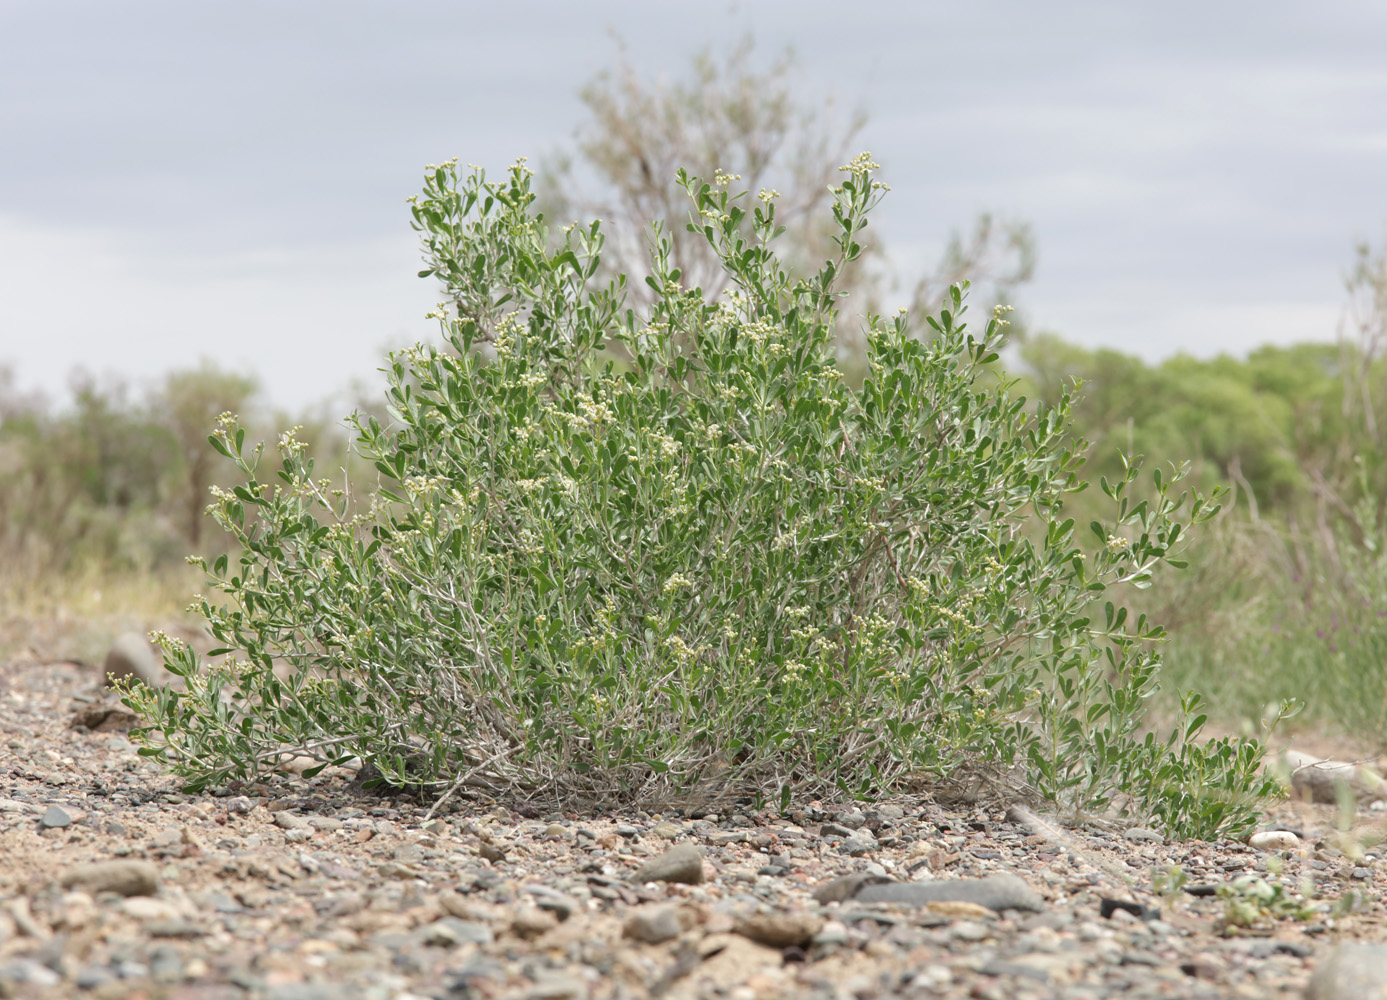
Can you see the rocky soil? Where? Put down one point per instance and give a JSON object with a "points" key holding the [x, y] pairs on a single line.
{"points": [[114, 884]]}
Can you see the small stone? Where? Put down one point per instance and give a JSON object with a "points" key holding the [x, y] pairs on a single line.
{"points": [[555, 831], [175, 928], [996, 892], [555, 902], [1141, 835], [449, 932], [970, 930], [530, 921], [840, 890], [1203, 889], [860, 843], [556, 987], [303, 991], [667, 830], [833, 932], [148, 908], [239, 804], [1274, 840], [1202, 967], [1125, 909], [55, 818], [491, 852], [166, 965], [681, 863], [1362, 873], [132, 655], [1139, 957], [653, 923], [455, 903], [452, 931], [1020, 970], [104, 717], [288, 821], [127, 878], [781, 930], [853, 819], [93, 976], [959, 910], [325, 824], [26, 970], [23, 918]]}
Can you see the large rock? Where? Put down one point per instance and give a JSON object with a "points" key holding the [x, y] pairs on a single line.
{"points": [[1316, 780], [132, 655], [128, 878], [681, 863], [1351, 972], [996, 892]]}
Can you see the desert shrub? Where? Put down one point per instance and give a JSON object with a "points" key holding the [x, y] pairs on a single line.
{"points": [[620, 556]]}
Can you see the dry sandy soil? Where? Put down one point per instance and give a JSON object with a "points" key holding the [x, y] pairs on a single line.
{"points": [[295, 890]]}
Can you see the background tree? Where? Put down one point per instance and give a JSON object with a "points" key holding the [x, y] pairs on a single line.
{"points": [[728, 115], [189, 404]]}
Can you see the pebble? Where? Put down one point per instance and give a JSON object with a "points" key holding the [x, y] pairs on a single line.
{"points": [[557, 903], [852, 819], [860, 843], [1141, 835], [288, 821], [653, 923], [1274, 840], [530, 921], [556, 987], [1351, 971], [969, 930], [1020, 970], [55, 818], [127, 878], [996, 892], [844, 888], [833, 932], [781, 929], [681, 863]]}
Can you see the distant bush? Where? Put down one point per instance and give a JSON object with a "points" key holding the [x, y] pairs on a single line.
{"points": [[116, 482], [621, 557]]}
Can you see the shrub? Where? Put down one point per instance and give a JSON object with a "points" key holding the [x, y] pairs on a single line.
{"points": [[624, 557]]}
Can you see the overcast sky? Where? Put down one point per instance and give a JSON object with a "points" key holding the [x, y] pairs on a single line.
{"points": [[227, 180]]}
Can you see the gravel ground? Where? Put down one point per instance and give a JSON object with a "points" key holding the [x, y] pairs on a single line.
{"points": [[114, 884]]}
